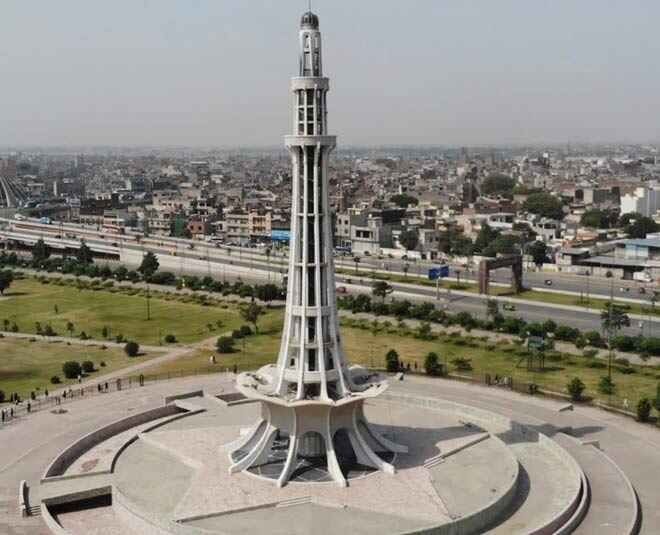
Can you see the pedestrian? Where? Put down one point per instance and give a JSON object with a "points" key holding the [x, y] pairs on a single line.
{"points": [[235, 369], [46, 392], [64, 394], [29, 407]]}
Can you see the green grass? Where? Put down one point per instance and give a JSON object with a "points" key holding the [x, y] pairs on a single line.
{"points": [[26, 366], [364, 347], [29, 301]]}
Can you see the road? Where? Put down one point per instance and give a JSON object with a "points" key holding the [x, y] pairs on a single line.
{"points": [[257, 265]]}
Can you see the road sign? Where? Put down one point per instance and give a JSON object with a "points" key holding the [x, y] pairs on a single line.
{"points": [[438, 272]]}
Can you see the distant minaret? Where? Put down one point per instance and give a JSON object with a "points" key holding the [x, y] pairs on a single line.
{"points": [[311, 394]]}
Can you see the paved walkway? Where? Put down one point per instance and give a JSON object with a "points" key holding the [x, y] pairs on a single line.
{"points": [[30, 444]]}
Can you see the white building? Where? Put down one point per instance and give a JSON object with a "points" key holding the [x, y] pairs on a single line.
{"points": [[644, 200]]}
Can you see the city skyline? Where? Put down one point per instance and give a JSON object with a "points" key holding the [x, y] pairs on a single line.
{"points": [[449, 74]]}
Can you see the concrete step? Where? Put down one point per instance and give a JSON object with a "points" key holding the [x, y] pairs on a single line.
{"points": [[541, 500], [613, 508]]}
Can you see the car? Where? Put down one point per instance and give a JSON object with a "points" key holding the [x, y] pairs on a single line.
{"points": [[548, 282], [642, 290], [342, 290], [509, 306]]}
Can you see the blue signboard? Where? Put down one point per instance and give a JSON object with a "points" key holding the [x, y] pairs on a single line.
{"points": [[438, 272], [282, 236]]}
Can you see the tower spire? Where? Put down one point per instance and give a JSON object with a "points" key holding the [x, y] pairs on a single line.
{"points": [[311, 393]]}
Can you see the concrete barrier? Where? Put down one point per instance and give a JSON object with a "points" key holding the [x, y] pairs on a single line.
{"points": [[65, 459], [186, 395], [23, 505]]}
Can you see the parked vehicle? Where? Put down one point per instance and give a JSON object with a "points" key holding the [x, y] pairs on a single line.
{"points": [[548, 282], [342, 290]]}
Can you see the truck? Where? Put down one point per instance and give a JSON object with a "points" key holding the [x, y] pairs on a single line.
{"points": [[642, 276]]}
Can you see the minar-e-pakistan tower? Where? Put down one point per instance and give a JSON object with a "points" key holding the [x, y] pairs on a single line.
{"points": [[311, 401]]}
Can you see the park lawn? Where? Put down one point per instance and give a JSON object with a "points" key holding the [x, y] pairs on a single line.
{"points": [[364, 347], [30, 301], [26, 366]]}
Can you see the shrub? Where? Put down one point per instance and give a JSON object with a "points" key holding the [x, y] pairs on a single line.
{"points": [[575, 388], [590, 353], [49, 331], [594, 339], [170, 339], [119, 338], [102, 364], [55, 380], [71, 369], [580, 342], [225, 344], [622, 361], [606, 385], [245, 330], [567, 334], [432, 364], [644, 409], [392, 361], [236, 334], [597, 365], [88, 366], [132, 349], [83, 336]]}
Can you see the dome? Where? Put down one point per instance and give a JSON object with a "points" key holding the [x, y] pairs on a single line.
{"points": [[309, 21]]}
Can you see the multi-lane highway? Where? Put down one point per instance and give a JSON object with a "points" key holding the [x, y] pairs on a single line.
{"points": [[199, 257]]}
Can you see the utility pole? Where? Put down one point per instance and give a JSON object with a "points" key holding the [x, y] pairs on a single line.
{"points": [[609, 332]]}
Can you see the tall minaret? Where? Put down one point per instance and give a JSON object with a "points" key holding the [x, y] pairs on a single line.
{"points": [[311, 397], [311, 360]]}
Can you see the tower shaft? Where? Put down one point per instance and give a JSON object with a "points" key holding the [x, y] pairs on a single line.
{"points": [[311, 362]]}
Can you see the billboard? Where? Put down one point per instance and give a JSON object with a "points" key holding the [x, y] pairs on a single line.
{"points": [[438, 272], [281, 236]]}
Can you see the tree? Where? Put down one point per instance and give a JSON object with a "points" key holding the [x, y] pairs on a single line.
{"points": [[545, 205], [485, 237], [381, 289], [403, 200], [6, 278], [598, 218], [69, 327], [575, 388], [40, 252], [539, 253], [71, 369], [644, 410], [640, 227], [432, 364], [88, 366], [251, 313], [492, 309], [613, 319], [132, 349], [121, 273], [498, 184], [225, 344], [84, 254], [149, 265], [392, 361], [267, 292], [629, 217], [504, 244], [409, 239]]}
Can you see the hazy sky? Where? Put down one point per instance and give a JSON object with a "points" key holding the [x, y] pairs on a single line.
{"points": [[216, 72]]}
